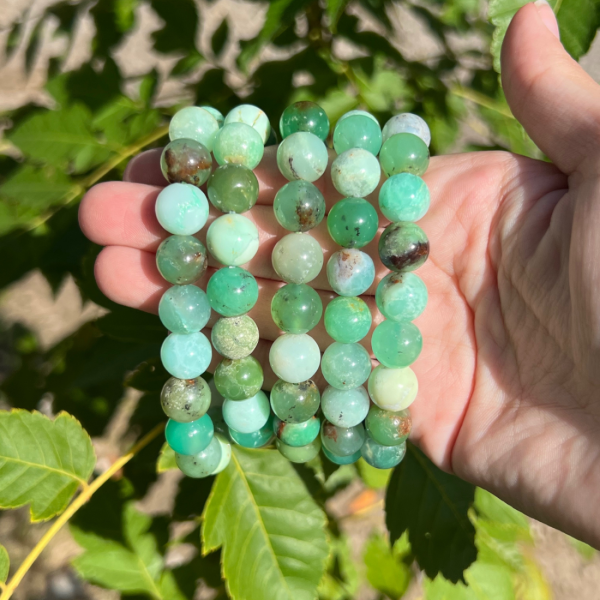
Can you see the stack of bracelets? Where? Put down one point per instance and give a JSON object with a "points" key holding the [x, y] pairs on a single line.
{"points": [[345, 422]]}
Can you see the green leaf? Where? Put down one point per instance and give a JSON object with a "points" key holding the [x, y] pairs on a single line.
{"points": [[219, 38], [4, 564], [374, 478], [166, 459], [494, 509], [131, 325], [432, 506], [342, 580], [42, 462], [334, 9], [181, 23], [385, 572], [150, 376], [271, 530], [585, 550]]}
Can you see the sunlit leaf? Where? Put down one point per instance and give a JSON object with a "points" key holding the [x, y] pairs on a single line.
{"points": [[374, 478], [4, 564], [385, 572], [585, 550], [334, 10], [166, 459]]}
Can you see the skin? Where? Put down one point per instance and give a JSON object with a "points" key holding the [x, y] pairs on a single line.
{"points": [[509, 374]]}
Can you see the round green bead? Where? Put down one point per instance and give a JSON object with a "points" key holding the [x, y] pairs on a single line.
{"points": [[297, 258], [296, 308], [181, 259], [256, 439], [186, 161], [387, 427], [232, 239], [217, 114], [403, 247], [342, 441], [347, 319], [299, 206], [235, 337], [355, 173], [203, 463], [233, 188], [345, 366], [350, 272], [297, 434], [240, 144], [341, 460], [253, 116], [232, 291], [247, 415], [190, 438], [396, 344], [299, 454], [304, 116], [193, 122], [185, 400], [345, 408], [239, 379], [358, 113], [404, 197], [294, 357], [184, 309], [404, 153], [225, 452], [357, 131], [186, 355], [352, 222], [393, 389], [401, 296], [181, 209], [302, 155], [407, 123], [382, 457], [295, 402]]}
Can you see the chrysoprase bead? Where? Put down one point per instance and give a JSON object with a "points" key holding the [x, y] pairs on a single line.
{"points": [[357, 131], [296, 308], [342, 441], [299, 454], [253, 116], [239, 379], [350, 272], [393, 389], [358, 113], [232, 239], [185, 400], [341, 460], [233, 188], [186, 161], [190, 438], [225, 452], [186, 355], [403, 246], [404, 153], [256, 439], [240, 144], [232, 292], [352, 222], [346, 366], [302, 155], [182, 209], [184, 309], [388, 427], [382, 457], [401, 296], [396, 344], [297, 258], [404, 197], [355, 173], [248, 415], [347, 319], [304, 116], [294, 358], [217, 114], [235, 337], [297, 434], [345, 408], [181, 259], [299, 206], [203, 463], [195, 123], [295, 402], [407, 123]]}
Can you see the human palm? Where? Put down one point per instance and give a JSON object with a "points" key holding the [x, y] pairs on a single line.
{"points": [[511, 332]]}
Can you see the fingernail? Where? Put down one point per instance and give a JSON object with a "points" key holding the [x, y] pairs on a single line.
{"points": [[547, 16]]}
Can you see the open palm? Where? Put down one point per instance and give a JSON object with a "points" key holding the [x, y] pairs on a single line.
{"points": [[508, 376]]}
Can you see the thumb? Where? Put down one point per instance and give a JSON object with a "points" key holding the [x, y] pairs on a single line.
{"points": [[554, 99]]}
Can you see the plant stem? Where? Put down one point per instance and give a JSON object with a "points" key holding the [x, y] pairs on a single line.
{"points": [[481, 99], [81, 499]]}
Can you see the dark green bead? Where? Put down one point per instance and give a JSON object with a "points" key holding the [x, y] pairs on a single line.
{"points": [[297, 434], [341, 460], [357, 131], [352, 222], [203, 463], [347, 319], [396, 344], [232, 291], [382, 457], [299, 206], [403, 246], [304, 116], [181, 259], [295, 402], [233, 188], [239, 379], [388, 427], [296, 308], [342, 441], [299, 454], [404, 153], [186, 161]]}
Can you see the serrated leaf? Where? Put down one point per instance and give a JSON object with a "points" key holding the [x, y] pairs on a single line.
{"points": [[219, 38], [4, 564], [271, 530], [334, 9], [42, 462], [166, 459], [385, 572], [341, 581], [433, 506]]}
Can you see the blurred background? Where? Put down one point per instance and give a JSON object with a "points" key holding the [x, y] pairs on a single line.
{"points": [[86, 85]]}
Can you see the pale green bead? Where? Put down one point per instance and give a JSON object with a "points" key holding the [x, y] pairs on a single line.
{"points": [[232, 239], [235, 337], [354, 113], [186, 355], [181, 209], [302, 155], [350, 272], [253, 116], [404, 197], [225, 453], [401, 296], [393, 389], [184, 309], [407, 123], [194, 123], [357, 131], [345, 366], [345, 408], [203, 463], [396, 345], [248, 415], [238, 143], [297, 258], [355, 173], [217, 114], [294, 358]]}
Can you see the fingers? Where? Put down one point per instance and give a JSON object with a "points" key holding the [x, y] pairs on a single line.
{"points": [[554, 99]]}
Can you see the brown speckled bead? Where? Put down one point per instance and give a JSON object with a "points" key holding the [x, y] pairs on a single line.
{"points": [[186, 161], [403, 246]]}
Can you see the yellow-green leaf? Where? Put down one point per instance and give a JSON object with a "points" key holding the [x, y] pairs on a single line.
{"points": [[166, 459], [4, 564], [385, 572], [42, 461], [334, 10]]}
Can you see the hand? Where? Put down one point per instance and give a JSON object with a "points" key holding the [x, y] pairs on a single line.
{"points": [[510, 372]]}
